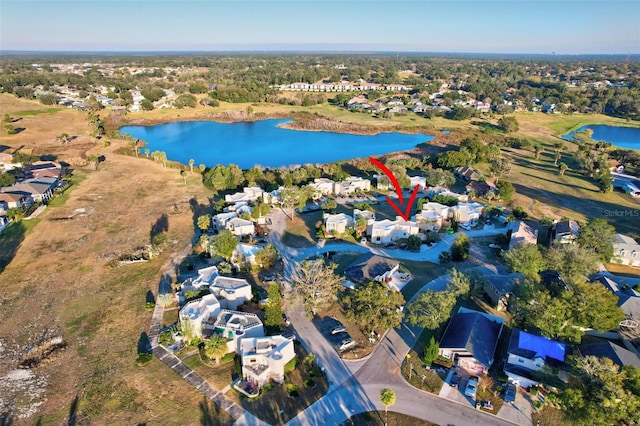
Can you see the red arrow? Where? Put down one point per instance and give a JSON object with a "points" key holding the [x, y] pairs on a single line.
{"points": [[396, 185]]}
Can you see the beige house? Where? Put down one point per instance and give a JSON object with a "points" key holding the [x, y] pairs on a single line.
{"points": [[234, 325], [323, 186], [240, 227], [432, 216], [250, 193], [219, 221], [337, 223], [388, 231], [565, 232], [467, 213], [352, 184], [523, 233], [264, 358], [202, 313], [231, 292], [626, 250]]}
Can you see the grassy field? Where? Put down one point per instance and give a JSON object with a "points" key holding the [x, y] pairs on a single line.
{"points": [[380, 418]]}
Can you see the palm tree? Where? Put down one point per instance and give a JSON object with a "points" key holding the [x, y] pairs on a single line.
{"points": [[388, 398], [216, 347], [202, 168], [147, 151], [204, 221], [184, 176], [191, 163], [562, 168], [556, 156], [538, 149]]}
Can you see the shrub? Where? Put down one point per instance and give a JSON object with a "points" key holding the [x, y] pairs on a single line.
{"points": [[308, 360], [149, 306], [293, 390], [144, 358], [445, 257], [520, 213], [460, 248], [309, 383], [290, 366]]}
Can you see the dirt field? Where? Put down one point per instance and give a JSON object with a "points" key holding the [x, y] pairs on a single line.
{"points": [[60, 284]]}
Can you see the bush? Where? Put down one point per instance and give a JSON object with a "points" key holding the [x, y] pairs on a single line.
{"points": [[293, 390], [460, 248], [144, 358], [309, 383], [445, 257], [290, 366], [520, 213], [149, 306]]}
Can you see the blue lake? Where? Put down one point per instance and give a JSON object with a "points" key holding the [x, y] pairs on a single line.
{"points": [[625, 137], [263, 143]]}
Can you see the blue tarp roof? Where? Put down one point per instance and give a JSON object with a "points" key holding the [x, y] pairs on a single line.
{"points": [[542, 346]]}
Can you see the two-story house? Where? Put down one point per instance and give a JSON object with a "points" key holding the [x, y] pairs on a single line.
{"points": [[529, 354], [264, 358]]}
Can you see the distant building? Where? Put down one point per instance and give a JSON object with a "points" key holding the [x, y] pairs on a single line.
{"points": [[500, 289], [615, 353], [626, 251], [523, 233], [565, 232]]}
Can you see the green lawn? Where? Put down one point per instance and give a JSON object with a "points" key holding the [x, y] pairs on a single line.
{"points": [[36, 112]]}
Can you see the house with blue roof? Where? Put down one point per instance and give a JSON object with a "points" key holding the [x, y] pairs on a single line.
{"points": [[529, 354]]}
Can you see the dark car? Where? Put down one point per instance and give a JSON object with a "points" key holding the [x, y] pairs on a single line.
{"points": [[510, 393], [455, 379]]}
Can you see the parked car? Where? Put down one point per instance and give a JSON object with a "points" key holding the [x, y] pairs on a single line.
{"points": [[345, 344], [472, 387], [510, 393], [455, 379], [338, 329]]}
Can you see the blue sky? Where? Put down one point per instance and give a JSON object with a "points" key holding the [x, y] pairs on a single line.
{"points": [[506, 26]]}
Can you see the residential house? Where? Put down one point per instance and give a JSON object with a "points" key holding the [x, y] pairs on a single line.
{"points": [[433, 191], [608, 349], [530, 353], [467, 214], [249, 193], [565, 232], [470, 340], [421, 181], [201, 313], [480, 189], [4, 222], [241, 207], [264, 358], [388, 231], [220, 220], [40, 190], [337, 223], [352, 184], [234, 325], [324, 186], [369, 216], [500, 289], [394, 278], [358, 102], [626, 251], [11, 200], [203, 280], [231, 292], [467, 173], [240, 227], [367, 268], [432, 216], [246, 252], [524, 234]]}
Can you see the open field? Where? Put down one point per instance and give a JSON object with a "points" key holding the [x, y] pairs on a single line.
{"points": [[380, 418], [59, 283]]}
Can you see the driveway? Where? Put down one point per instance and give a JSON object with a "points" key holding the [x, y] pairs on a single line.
{"points": [[518, 411]]}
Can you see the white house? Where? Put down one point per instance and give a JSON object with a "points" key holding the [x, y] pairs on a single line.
{"points": [[240, 227], [388, 231], [626, 250], [394, 279], [239, 208], [337, 223], [264, 358], [529, 353], [368, 215], [432, 216], [204, 279], [418, 180], [352, 184], [247, 252], [250, 193], [219, 221], [324, 186], [523, 233], [467, 213], [231, 292], [234, 325], [201, 312]]}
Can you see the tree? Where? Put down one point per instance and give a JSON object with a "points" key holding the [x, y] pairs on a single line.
{"points": [[458, 283], [7, 179], [187, 330], [273, 310], [526, 259], [223, 244], [388, 398], [147, 152], [505, 190], [216, 347], [93, 160], [295, 197], [374, 306], [267, 257], [451, 159], [202, 168], [204, 222], [509, 124], [572, 260], [562, 168], [146, 105], [431, 308], [431, 351], [556, 157], [160, 156], [48, 98], [414, 242], [191, 163], [598, 235], [183, 174], [500, 167], [537, 149], [460, 248], [315, 284], [185, 100]]}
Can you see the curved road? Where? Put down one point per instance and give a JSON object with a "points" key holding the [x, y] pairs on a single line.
{"points": [[354, 386]]}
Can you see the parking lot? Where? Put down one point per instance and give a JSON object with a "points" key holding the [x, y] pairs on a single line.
{"points": [[336, 333]]}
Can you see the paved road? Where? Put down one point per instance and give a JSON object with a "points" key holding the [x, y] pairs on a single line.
{"points": [[354, 386]]}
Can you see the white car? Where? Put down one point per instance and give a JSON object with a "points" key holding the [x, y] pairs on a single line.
{"points": [[472, 387], [346, 344]]}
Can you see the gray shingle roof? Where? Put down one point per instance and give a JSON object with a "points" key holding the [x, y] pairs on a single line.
{"points": [[474, 332], [615, 353]]}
